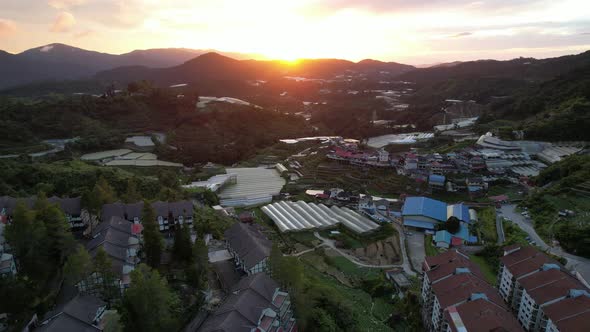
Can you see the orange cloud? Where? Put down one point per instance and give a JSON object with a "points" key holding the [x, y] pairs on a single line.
{"points": [[7, 28], [63, 23]]}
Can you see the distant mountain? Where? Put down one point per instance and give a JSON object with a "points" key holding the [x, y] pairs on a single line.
{"points": [[63, 62], [527, 69], [214, 66]]}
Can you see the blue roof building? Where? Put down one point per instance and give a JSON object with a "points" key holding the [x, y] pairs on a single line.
{"points": [[423, 212], [436, 180], [461, 211], [443, 239]]}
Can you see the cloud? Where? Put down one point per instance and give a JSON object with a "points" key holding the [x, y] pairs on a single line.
{"points": [[63, 23], [63, 4], [461, 34], [83, 34], [7, 27]]}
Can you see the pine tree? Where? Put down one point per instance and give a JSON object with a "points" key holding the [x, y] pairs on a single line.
{"points": [[59, 236], [153, 243], [149, 304], [132, 195], [103, 266], [78, 266], [182, 243]]}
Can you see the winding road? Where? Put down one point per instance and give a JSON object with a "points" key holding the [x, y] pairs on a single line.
{"points": [[405, 264], [577, 263]]}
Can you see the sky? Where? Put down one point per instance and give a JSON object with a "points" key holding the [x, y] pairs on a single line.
{"points": [[411, 31]]}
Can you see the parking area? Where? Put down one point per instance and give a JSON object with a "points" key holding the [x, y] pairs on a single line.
{"points": [[416, 251]]}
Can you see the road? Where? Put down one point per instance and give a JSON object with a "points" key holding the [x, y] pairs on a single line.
{"points": [[500, 229], [330, 243], [580, 264]]}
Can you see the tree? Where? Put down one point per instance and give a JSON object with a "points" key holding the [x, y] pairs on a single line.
{"points": [[153, 243], [199, 264], [131, 195], [210, 197], [78, 266], [104, 268], [182, 243], [149, 304], [59, 237], [452, 225], [104, 192], [322, 321]]}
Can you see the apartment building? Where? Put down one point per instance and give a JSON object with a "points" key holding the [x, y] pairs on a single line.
{"points": [[453, 288], [541, 292]]}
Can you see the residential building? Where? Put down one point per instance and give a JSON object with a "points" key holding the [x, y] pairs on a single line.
{"points": [[455, 294], [71, 207], [168, 214], [256, 303], [116, 237], [82, 313], [479, 315], [543, 295], [249, 247], [436, 182]]}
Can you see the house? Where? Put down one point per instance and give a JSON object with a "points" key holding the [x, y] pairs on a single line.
{"points": [[168, 214], [423, 212], [453, 289], [442, 239], [116, 237], [256, 303], [71, 207], [436, 181], [249, 247], [82, 313], [541, 292]]}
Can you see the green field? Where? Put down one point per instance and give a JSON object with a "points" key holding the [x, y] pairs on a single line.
{"points": [[487, 225], [485, 267], [430, 249]]}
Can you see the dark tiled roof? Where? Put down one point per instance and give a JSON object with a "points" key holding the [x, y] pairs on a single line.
{"points": [[76, 315], [133, 210], [461, 287], [242, 310], [446, 257], [161, 209], [571, 314], [71, 206], [227, 273], [249, 243], [530, 264], [524, 253], [181, 208], [545, 286], [112, 210], [481, 316], [113, 237]]}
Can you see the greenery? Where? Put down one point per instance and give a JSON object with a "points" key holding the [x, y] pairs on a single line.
{"points": [[487, 225], [430, 249], [149, 304], [153, 243], [207, 221], [489, 271]]}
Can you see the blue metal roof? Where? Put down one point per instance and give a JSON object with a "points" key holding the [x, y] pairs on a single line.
{"points": [[423, 206], [418, 224], [461, 211], [442, 236], [463, 233], [436, 178]]}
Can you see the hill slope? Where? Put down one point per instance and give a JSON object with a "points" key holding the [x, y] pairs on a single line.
{"points": [[62, 62]]}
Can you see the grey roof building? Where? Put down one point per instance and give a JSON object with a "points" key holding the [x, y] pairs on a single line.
{"points": [[255, 304], [166, 212], [82, 314], [249, 247]]}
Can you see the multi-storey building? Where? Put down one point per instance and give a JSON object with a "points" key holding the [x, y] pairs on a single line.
{"points": [[453, 288], [541, 292], [168, 214]]}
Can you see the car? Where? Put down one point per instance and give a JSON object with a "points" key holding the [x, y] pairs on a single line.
{"points": [[409, 233], [533, 243], [528, 238]]}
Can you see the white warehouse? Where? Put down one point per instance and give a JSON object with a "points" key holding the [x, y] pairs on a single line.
{"points": [[300, 216]]}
